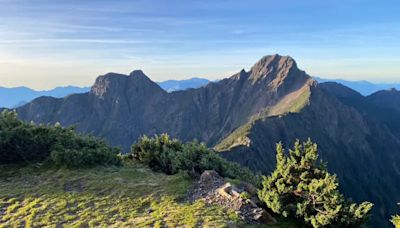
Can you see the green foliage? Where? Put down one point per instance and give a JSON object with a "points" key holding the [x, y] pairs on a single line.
{"points": [[161, 153], [84, 151], [22, 142], [396, 220], [245, 195], [302, 187]]}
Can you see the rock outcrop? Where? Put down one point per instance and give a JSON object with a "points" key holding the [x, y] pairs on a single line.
{"points": [[213, 189]]}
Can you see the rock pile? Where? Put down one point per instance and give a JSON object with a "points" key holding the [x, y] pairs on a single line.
{"points": [[213, 189]]}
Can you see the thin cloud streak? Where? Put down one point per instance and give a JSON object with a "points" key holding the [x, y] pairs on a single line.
{"points": [[101, 41]]}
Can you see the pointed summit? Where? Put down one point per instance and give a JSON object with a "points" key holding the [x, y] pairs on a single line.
{"points": [[272, 64], [137, 73], [278, 71], [139, 78]]}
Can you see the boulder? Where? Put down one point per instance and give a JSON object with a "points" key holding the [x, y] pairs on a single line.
{"points": [[209, 178], [213, 189]]}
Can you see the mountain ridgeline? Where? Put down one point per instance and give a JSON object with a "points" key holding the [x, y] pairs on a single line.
{"points": [[244, 116], [121, 108], [18, 96]]}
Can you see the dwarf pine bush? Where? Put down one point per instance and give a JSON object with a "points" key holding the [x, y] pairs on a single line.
{"points": [[302, 187], [161, 153], [22, 142]]}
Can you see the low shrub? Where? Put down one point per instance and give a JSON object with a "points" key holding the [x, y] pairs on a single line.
{"points": [[161, 153], [22, 142], [85, 151]]}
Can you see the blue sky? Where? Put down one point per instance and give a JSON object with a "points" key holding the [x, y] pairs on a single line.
{"points": [[47, 43]]}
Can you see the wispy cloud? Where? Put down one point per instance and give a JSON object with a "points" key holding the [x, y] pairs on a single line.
{"points": [[99, 41], [195, 37]]}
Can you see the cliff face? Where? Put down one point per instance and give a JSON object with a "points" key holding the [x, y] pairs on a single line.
{"points": [[244, 116]]}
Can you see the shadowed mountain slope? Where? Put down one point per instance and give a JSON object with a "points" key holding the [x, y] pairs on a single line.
{"points": [[386, 99]]}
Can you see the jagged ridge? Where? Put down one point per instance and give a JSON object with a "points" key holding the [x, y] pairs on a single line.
{"points": [[120, 107]]}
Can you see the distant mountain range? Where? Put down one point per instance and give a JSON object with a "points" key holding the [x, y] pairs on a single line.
{"points": [[175, 85], [18, 96], [364, 87], [15, 97], [245, 115]]}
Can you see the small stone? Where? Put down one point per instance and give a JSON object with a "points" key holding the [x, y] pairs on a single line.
{"points": [[263, 216]]}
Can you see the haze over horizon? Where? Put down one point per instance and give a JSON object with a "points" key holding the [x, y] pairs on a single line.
{"points": [[44, 44]]}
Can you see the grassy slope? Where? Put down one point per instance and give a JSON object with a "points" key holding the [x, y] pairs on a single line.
{"points": [[106, 197], [293, 102]]}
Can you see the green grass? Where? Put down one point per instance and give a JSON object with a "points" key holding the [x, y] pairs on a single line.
{"points": [[237, 137], [298, 104], [128, 196]]}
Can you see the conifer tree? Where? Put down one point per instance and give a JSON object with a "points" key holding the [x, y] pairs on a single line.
{"points": [[302, 187]]}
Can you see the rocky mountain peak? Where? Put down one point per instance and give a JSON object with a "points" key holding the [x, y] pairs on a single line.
{"points": [[114, 84], [138, 76], [137, 73], [104, 82], [272, 65]]}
